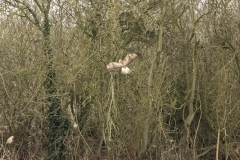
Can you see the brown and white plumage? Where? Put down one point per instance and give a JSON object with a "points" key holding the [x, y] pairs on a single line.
{"points": [[123, 63]]}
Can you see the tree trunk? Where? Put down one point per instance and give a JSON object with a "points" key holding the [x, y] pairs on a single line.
{"points": [[150, 81], [58, 124]]}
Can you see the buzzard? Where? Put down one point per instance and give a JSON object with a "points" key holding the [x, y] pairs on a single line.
{"points": [[123, 63]]}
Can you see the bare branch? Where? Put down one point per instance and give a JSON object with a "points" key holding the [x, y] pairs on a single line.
{"points": [[48, 5], [4, 86], [39, 6], [28, 18], [27, 6]]}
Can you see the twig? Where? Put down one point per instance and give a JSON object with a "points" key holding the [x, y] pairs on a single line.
{"points": [[4, 86], [206, 151], [217, 145]]}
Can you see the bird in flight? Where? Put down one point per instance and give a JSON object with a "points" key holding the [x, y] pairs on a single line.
{"points": [[123, 63]]}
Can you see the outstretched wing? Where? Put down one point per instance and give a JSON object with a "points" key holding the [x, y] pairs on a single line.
{"points": [[113, 66], [130, 58]]}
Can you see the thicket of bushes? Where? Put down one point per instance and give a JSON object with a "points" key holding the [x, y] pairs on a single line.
{"points": [[180, 102]]}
